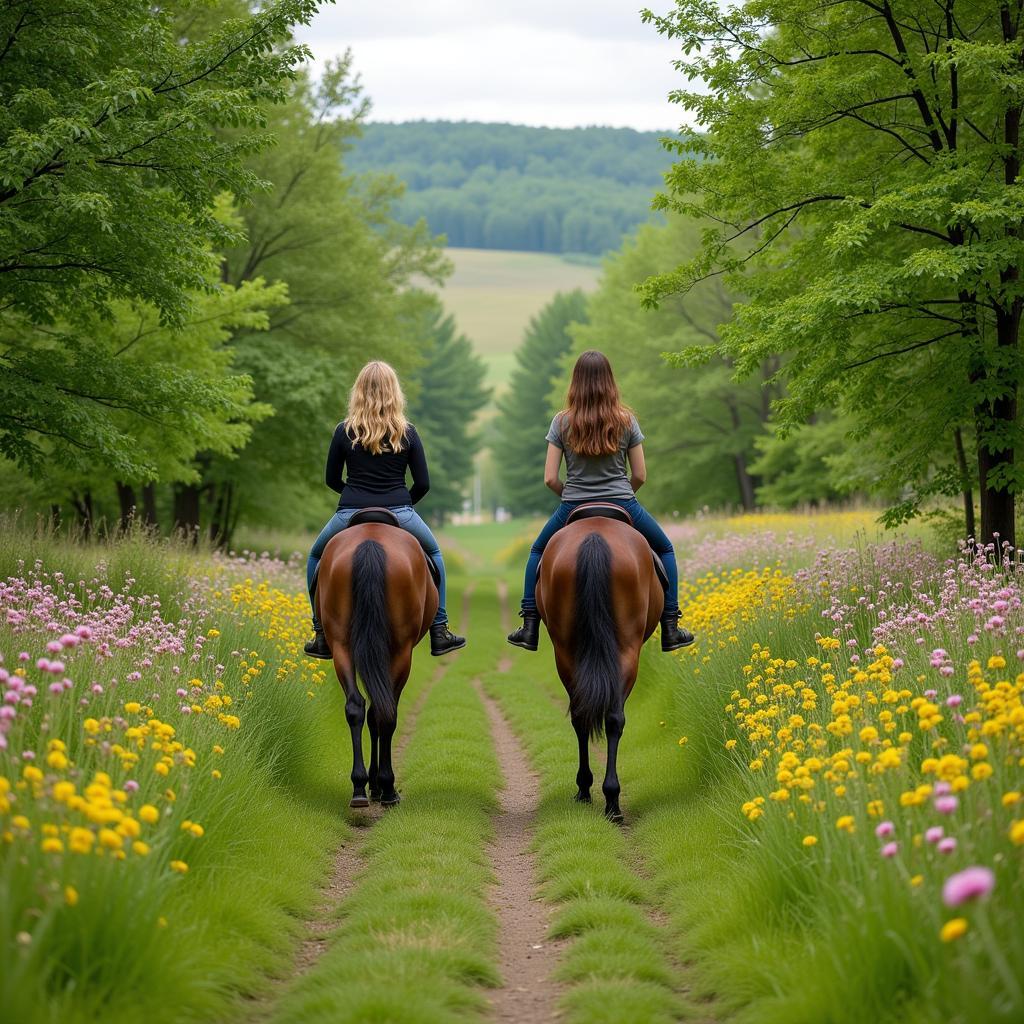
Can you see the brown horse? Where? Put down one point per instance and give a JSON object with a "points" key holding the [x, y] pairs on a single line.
{"points": [[600, 598], [376, 601]]}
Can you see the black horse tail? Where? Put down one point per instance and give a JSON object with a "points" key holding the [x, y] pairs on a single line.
{"points": [[597, 682], [370, 628]]}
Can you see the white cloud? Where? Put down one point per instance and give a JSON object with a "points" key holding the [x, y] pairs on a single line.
{"points": [[561, 63]]}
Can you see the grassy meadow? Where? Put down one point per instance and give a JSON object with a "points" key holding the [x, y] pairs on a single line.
{"points": [[493, 294], [825, 819]]}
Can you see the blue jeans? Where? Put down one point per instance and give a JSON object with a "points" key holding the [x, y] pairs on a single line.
{"points": [[410, 520], [644, 522]]}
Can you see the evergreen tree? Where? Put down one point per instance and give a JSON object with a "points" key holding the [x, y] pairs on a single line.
{"points": [[449, 392], [525, 410]]}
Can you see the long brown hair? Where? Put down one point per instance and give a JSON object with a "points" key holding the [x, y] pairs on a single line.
{"points": [[595, 418]]}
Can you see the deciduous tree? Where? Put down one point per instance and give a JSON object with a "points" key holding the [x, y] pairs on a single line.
{"points": [[860, 164]]}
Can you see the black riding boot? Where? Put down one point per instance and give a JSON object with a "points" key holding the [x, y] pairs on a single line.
{"points": [[672, 637], [528, 633], [317, 647], [443, 640]]}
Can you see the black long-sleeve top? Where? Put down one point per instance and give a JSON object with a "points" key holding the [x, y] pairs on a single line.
{"points": [[376, 479]]}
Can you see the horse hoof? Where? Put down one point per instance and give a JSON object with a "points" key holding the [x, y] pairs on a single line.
{"points": [[582, 798], [374, 797], [615, 817], [359, 801], [391, 801]]}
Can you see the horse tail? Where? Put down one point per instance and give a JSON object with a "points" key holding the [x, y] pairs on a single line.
{"points": [[370, 628], [597, 681]]}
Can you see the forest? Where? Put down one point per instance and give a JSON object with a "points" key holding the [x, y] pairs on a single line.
{"points": [[503, 186], [177, 347]]}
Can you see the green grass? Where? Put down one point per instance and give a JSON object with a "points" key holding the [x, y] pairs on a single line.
{"points": [[615, 967], [143, 942], [478, 544], [416, 941]]}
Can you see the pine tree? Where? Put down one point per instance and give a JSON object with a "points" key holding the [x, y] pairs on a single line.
{"points": [[525, 410], [450, 391]]}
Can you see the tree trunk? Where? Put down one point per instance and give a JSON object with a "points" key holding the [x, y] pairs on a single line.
{"points": [[223, 512], [83, 506], [126, 499], [743, 478], [744, 481], [999, 415], [149, 516], [997, 507], [186, 511], [965, 484]]}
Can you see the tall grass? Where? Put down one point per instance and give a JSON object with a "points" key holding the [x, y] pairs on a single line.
{"points": [[158, 842], [834, 930]]}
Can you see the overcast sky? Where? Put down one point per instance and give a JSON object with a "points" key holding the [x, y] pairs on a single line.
{"points": [[541, 62]]}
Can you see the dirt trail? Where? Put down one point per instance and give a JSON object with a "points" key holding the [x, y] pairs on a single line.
{"points": [[347, 858], [703, 1008], [526, 958]]}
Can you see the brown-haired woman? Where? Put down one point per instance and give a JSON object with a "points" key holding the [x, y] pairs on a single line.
{"points": [[597, 435]]}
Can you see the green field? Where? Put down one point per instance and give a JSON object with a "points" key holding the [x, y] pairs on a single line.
{"points": [[229, 881], [492, 296]]}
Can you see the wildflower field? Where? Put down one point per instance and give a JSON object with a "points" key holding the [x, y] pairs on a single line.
{"points": [[824, 797]]}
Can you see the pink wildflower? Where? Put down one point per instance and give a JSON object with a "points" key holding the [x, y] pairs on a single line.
{"points": [[970, 884]]}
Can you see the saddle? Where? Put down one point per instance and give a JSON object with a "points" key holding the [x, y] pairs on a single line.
{"points": [[386, 517], [601, 510]]}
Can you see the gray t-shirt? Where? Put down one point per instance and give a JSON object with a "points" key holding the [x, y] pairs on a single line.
{"points": [[592, 477]]}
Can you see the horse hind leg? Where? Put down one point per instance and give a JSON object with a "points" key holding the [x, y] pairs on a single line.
{"points": [[371, 721], [584, 777], [614, 724], [355, 715], [386, 772], [400, 668]]}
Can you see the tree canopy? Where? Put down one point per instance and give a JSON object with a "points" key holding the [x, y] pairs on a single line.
{"points": [[860, 165], [112, 156]]}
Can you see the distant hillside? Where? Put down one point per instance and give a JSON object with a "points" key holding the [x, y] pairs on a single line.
{"points": [[503, 186]]}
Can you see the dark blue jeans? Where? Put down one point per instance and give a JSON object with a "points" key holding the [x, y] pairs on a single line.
{"points": [[644, 522]]}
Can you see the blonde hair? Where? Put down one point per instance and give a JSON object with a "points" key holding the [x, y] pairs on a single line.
{"points": [[376, 410]]}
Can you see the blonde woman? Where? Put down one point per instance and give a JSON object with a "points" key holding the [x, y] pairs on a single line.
{"points": [[374, 446]]}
